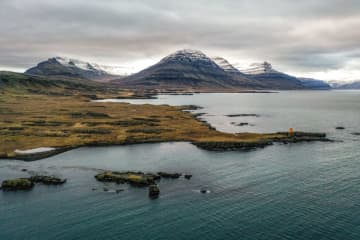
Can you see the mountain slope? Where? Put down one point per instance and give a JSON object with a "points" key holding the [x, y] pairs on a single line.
{"points": [[67, 67], [186, 69], [271, 78], [345, 85], [22, 83], [315, 84]]}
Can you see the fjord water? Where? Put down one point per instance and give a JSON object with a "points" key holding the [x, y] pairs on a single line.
{"points": [[296, 191]]}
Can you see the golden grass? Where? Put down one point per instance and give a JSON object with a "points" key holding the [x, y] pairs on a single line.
{"points": [[29, 121]]}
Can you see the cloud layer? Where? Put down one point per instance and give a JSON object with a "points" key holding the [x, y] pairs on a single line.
{"points": [[301, 37]]}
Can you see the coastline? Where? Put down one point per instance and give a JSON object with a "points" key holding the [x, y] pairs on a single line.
{"points": [[78, 122]]}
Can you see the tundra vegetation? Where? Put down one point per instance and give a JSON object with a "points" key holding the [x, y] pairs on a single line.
{"points": [[39, 112]]}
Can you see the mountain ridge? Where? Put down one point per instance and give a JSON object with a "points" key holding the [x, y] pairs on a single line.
{"points": [[63, 66]]}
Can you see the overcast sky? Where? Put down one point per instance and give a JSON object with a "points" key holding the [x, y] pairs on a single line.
{"points": [[313, 38]]}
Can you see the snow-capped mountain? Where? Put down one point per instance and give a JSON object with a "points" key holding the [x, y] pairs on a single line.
{"points": [[224, 64], [259, 68], [315, 83], [344, 84], [273, 79], [185, 69], [62, 66]]}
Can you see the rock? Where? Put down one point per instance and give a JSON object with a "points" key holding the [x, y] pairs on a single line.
{"points": [[243, 115], [203, 190], [169, 175], [17, 184], [24, 170], [134, 178], [242, 124], [340, 128], [47, 180], [232, 146], [105, 189], [154, 191], [188, 176], [119, 190], [356, 133], [93, 189]]}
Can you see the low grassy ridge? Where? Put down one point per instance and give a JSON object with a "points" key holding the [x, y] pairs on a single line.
{"points": [[30, 121]]}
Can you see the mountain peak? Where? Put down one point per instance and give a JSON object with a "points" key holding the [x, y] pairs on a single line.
{"points": [[74, 68], [259, 68], [188, 55], [224, 64]]}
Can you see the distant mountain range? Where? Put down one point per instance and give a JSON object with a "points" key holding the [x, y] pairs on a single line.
{"points": [[345, 85], [60, 66], [185, 70], [193, 69], [315, 84]]}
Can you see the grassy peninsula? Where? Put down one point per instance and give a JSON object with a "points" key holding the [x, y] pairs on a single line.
{"points": [[61, 116]]}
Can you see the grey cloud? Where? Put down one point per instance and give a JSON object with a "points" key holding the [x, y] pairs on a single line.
{"points": [[300, 36]]}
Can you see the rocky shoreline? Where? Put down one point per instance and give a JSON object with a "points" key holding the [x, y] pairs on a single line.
{"points": [[28, 183], [286, 138], [206, 145]]}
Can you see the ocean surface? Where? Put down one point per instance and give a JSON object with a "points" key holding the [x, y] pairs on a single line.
{"points": [[296, 191]]}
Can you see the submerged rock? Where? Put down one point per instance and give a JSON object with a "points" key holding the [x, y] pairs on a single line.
{"points": [[203, 190], [188, 176], [17, 184], [154, 191], [169, 175], [243, 115], [356, 133], [47, 180]]}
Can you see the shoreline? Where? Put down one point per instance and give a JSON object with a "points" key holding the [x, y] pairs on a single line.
{"points": [[80, 123], [219, 146]]}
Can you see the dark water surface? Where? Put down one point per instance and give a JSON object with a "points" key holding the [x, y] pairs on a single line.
{"points": [[302, 191]]}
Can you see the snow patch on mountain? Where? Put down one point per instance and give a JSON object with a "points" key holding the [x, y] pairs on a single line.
{"points": [[189, 55], [259, 68], [112, 70], [224, 64]]}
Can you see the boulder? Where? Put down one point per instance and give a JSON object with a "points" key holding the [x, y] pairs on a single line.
{"points": [[203, 190], [154, 191], [188, 176]]}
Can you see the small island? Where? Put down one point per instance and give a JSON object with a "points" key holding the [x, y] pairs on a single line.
{"points": [[29, 183]]}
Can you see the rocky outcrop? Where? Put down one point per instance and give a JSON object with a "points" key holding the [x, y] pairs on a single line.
{"points": [[28, 183], [47, 180], [231, 146], [17, 184], [280, 137], [188, 176], [154, 191], [133, 178], [169, 175]]}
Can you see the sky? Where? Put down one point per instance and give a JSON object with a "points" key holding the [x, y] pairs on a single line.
{"points": [[319, 39]]}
